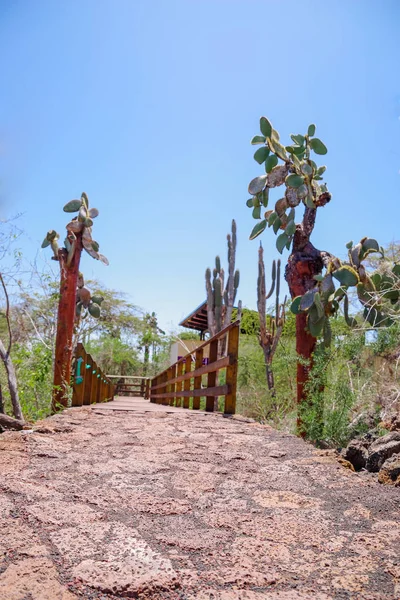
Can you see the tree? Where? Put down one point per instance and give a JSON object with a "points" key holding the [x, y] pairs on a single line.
{"points": [[149, 339], [79, 237], [315, 296], [5, 355]]}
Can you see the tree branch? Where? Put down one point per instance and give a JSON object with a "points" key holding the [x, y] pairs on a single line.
{"points": [[7, 315]]}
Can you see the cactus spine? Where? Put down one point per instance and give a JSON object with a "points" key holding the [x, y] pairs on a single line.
{"points": [[220, 299], [271, 332]]}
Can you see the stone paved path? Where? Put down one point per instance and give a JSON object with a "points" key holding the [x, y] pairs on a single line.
{"points": [[98, 504]]}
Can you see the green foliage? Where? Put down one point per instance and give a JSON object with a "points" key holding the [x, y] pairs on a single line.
{"points": [[387, 340], [34, 370], [249, 323], [115, 356], [254, 399]]}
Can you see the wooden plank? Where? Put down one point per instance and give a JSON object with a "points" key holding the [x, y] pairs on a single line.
{"points": [[126, 377], [197, 379], [203, 370], [179, 383], [87, 391], [212, 376], [231, 371], [186, 394], [220, 390]]}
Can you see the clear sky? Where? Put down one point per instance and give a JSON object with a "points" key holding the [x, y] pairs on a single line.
{"points": [[149, 107]]}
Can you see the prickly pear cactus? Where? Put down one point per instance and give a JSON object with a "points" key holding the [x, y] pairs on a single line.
{"points": [[379, 294], [289, 166], [86, 304], [81, 224]]}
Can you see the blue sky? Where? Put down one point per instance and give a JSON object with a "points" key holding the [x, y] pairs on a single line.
{"points": [[150, 106]]}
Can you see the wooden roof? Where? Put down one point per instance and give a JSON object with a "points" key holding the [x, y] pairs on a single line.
{"points": [[197, 320]]}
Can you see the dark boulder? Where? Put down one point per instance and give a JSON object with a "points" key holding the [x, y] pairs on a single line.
{"points": [[390, 471], [357, 453], [382, 449]]}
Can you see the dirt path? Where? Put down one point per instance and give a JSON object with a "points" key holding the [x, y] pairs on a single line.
{"points": [[191, 507]]}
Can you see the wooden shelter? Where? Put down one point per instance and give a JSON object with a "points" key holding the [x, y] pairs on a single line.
{"points": [[197, 320]]}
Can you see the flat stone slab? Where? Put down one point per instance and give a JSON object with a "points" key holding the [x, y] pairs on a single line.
{"points": [[140, 405], [99, 504]]}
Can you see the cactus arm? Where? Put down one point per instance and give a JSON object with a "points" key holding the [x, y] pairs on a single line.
{"points": [[230, 286], [273, 278], [261, 298], [239, 311], [218, 304], [72, 240], [210, 304], [278, 284], [222, 278]]}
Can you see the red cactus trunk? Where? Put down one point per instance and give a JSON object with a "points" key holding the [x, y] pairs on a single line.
{"points": [[65, 324], [304, 262]]}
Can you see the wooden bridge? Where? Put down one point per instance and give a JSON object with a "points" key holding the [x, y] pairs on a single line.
{"points": [[187, 384]]}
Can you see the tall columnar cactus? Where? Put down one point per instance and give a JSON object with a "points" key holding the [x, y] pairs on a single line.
{"points": [[270, 326], [221, 299], [71, 302], [314, 295]]}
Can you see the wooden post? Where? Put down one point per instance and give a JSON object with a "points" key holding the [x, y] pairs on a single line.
{"points": [[168, 386], [87, 391], [173, 387], [93, 395], [98, 394], [231, 371], [188, 368], [147, 396], [197, 380], [65, 323], [79, 376], [179, 371], [102, 395], [153, 382], [212, 377], [164, 387]]}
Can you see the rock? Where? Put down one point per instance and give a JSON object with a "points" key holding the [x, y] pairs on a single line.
{"points": [[382, 449], [393, 424], [356, 453], [43, 429], [346, 463], [390, 471]]}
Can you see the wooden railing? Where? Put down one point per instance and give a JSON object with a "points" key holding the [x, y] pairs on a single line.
{"points": [[139, 387], [174, 386], [90, 384]]}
